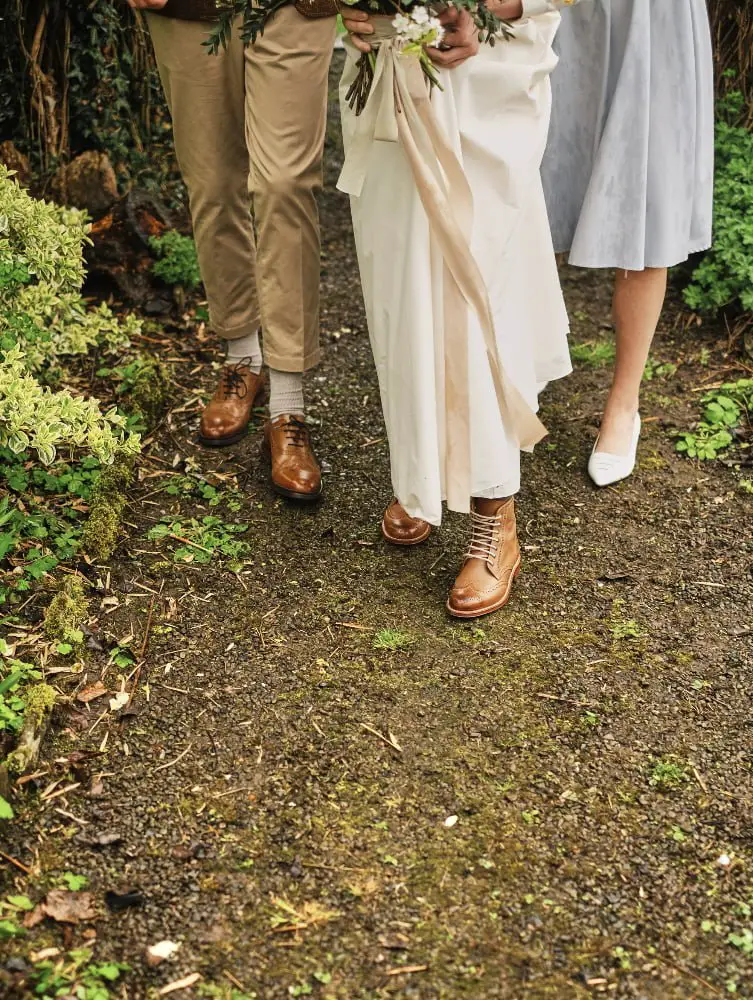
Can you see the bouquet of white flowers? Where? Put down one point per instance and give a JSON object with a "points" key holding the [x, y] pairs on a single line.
{"points": [[417, 26]]}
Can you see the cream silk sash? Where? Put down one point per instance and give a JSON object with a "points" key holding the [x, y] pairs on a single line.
{"points": [[399, 110]]}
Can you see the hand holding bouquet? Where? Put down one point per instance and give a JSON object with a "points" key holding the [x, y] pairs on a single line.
{"points": [[413, 19], [419, 29]]}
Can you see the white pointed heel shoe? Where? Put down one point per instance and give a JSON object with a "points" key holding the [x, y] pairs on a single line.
{"points": [[606, 469]]}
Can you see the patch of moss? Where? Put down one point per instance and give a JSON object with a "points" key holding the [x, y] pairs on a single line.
{"points": [[67, 612], [100, 534], [150, 391], [40, 699]]}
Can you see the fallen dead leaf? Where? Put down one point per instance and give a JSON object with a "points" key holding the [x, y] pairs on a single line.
{"points": [[64, 907], [92, 692]]}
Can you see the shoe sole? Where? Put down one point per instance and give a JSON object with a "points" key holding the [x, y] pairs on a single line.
{"points": [[403, 543], [498, 606], [298, 497], [223, 442]]}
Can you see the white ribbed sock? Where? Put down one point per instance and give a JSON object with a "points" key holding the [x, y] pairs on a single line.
{"points": [[285, 393], [246, 349]]}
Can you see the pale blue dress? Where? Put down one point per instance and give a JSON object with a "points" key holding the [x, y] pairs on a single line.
{"points": [[629, 169]]}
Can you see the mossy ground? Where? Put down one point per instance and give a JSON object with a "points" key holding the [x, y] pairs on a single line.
{"points": [[109, 498], [515, 846], [67, 611]]}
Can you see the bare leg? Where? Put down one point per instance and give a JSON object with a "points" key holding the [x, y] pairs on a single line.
{"points": [[637, 306]]}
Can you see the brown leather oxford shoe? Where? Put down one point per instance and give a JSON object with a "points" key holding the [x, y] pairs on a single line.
{"points": [[295, 471], [399, 528], [227, 415], [492, 562]]}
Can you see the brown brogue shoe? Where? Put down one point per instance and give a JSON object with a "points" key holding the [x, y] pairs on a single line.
{"points": [[295, 471], [492, 562], [227, 415], [399, 528]]}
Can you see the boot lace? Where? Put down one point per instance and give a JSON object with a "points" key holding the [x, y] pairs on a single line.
{"points": [[484, 542], [296, 432], [233, 380]]}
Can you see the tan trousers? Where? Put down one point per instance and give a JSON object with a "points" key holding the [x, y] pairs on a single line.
{"points": [[252, 122]]}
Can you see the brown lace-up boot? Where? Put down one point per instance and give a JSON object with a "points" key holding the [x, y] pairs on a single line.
{"points": [[295, 470], [227, 415], [491, 563], [399, 528]]}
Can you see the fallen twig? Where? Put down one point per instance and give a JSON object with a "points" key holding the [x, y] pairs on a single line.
{"points": [[699, 779], [180, 984], [170, 763], [391, 741], [14, 861], [691, 975], [406, 970], [566, 701], [233, 980], [187, 541]]}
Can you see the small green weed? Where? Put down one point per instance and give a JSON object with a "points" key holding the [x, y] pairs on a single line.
{"points": [[743, 941], [223, 992], [122, 657], [726, 417], [667, 773], [196, 487], [76, 975], [201, 540], [41, 518], [593, 353], [629, 629], [392, 640], [623, 628], [74, 882], [14, 677], [177, 262], [655, 369]]}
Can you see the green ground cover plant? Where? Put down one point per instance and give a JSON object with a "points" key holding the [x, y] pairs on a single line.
{"points": [[200, 540], [725, 275], [177, 262], [726, 420]]}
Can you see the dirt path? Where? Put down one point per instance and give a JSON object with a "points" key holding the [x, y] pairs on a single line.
{"points": [[324, 787]]}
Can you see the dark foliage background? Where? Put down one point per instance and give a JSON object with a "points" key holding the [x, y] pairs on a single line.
{"points": [[78, 75]]}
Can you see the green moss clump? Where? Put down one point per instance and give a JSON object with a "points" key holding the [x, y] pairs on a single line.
{"points": [[40, 700], [150, 392], [67, 612], [100, 534]]}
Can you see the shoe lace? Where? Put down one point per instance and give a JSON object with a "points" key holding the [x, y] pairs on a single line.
{"points": [[234, 381], [484, 542], [296, 432]]}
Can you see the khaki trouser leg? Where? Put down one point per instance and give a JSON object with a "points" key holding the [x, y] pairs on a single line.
{"points": [[286, 115], [275, 91], [205, 95]]}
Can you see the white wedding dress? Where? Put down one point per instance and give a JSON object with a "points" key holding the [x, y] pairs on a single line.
{"points": [[494, 111]]}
